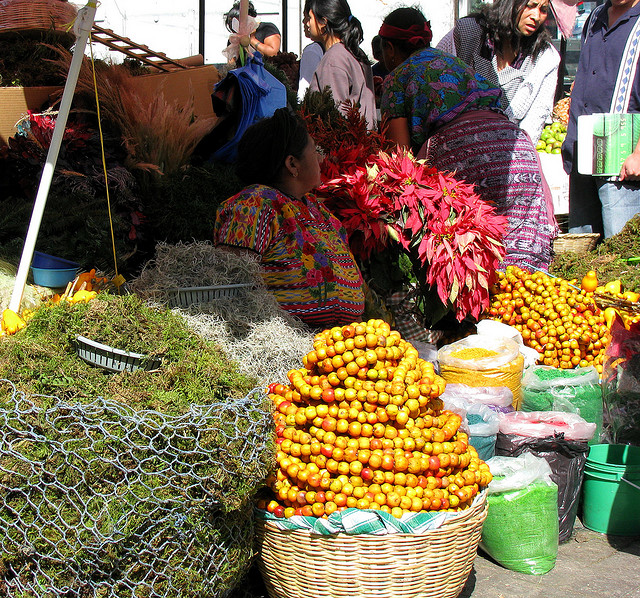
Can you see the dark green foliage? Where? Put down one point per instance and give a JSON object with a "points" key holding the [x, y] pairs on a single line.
{"points": [[182, 206], [75, 223], [320, 105], [609, 259], [24, 60]]}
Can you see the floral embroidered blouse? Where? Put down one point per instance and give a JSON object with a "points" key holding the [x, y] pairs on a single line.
{"points": [[306, 260], [430, 89]]}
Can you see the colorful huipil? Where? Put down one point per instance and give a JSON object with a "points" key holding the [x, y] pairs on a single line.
{"points": [[306, 261]]}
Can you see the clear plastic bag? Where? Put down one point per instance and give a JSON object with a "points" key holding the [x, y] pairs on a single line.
{"points": [[479, 422], [483, 361], [516, 473], [521, 529], [573, 391], [506, 350], [498, 398], [497, 329]]}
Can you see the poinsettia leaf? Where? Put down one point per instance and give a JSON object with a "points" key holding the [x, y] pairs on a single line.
{"points": [[453, 293]]}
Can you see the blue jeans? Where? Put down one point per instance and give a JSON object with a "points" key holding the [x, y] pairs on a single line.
{"points": [[601, 206]]}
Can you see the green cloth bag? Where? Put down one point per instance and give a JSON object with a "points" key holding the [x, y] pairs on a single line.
{"points": [[521, 528]]}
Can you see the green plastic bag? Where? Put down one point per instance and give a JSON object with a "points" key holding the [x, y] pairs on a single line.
{"points": [[521, 528], [573, 391]]}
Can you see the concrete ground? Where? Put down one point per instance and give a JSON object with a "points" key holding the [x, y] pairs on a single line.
{"points": [[589, 565]]}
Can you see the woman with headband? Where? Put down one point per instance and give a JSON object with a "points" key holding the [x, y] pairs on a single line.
{"points": [[437, 106], [303, 249], [344, 67]]}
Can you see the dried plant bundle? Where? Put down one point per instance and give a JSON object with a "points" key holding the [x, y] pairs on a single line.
{"points": [[251, 328], [158, 135], [196, 264]]}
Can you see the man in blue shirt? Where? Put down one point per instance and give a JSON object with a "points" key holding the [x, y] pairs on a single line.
{"points": [[607, 68]]}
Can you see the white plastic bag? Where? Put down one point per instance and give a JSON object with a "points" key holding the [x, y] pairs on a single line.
{"points": [[498, 398], [497, 329], [514, 473]]}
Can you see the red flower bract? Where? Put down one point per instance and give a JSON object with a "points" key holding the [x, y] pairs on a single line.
{"points": [[452, 236]]}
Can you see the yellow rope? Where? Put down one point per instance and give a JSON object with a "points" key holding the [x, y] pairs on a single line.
{"points": [[104, 164]]}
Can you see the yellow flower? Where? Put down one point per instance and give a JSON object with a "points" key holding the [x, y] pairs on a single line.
{"points": [[307, 261], [287, 211]]}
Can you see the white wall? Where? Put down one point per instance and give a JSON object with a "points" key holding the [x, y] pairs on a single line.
{"points": [[171, 26]]}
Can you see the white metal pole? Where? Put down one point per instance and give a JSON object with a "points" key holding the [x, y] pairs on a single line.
{"points": [[84, 23]]}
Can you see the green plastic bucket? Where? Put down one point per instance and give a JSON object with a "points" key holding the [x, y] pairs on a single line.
{"points": [[611, 490]]}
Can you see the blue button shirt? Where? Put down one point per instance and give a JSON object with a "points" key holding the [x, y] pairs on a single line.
{"points": [[597, 73]]}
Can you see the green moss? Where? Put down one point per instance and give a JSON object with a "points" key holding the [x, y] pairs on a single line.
{"points": [[133, 480], [609, 259], [42, 359]]}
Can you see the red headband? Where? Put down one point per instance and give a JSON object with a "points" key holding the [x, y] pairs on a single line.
{"points": [[413, 35]]}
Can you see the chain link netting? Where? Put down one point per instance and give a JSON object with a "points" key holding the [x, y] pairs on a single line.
{"points": [[100, 500]]}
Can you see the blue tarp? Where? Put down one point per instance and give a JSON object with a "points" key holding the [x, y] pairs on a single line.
{"points": [[246, 95]]}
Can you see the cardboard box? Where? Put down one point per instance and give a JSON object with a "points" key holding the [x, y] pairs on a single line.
{"points": [[16, 101], [181, 85]]}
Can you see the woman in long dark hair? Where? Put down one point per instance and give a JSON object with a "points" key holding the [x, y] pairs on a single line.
{"points": [[344, 67], [303, 249], [265, 39], [508, 44], [437, 106]]}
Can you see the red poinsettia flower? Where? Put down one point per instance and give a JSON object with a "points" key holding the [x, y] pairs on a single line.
{"points": [[452, 236]]}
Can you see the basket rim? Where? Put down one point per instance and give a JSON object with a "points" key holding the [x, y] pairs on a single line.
{"points": [[461, 518], [577, 235], [240, 285]]}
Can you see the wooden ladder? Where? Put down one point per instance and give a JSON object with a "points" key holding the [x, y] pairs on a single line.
{"points": [[139, 52]]}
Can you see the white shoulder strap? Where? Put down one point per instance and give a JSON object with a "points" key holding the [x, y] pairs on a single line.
{"points": [[627, 71]]}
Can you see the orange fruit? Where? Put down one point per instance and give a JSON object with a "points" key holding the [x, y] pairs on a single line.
{"points": [[590, 281]]}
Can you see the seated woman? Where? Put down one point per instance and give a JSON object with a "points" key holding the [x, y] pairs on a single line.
{"points": [[508, 44], [303, 248], [443, 111]]}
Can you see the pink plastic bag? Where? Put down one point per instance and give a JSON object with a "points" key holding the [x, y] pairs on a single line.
{"points": [[540, 424]]}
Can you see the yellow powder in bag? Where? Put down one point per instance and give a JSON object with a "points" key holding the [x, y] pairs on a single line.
{"points": [[473, 353], [509, 375]]}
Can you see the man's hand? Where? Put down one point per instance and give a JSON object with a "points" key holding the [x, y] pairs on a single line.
{"points": [[630, 170]]}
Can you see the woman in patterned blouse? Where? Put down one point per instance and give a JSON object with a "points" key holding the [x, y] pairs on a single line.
{"points": [[303, 249], [437, 106]]}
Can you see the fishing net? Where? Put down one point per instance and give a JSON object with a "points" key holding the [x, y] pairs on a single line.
{"points": [[100, 500]]}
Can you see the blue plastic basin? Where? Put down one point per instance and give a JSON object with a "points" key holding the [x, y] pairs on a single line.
{"points": [[44, 260], [53, 277]]}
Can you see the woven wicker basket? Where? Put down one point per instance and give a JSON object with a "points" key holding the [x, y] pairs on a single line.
{"points": [[37, 15], [436, 564], [576, 242]]}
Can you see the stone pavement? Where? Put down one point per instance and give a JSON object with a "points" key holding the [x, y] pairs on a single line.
{"points": [[589, 565]]}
